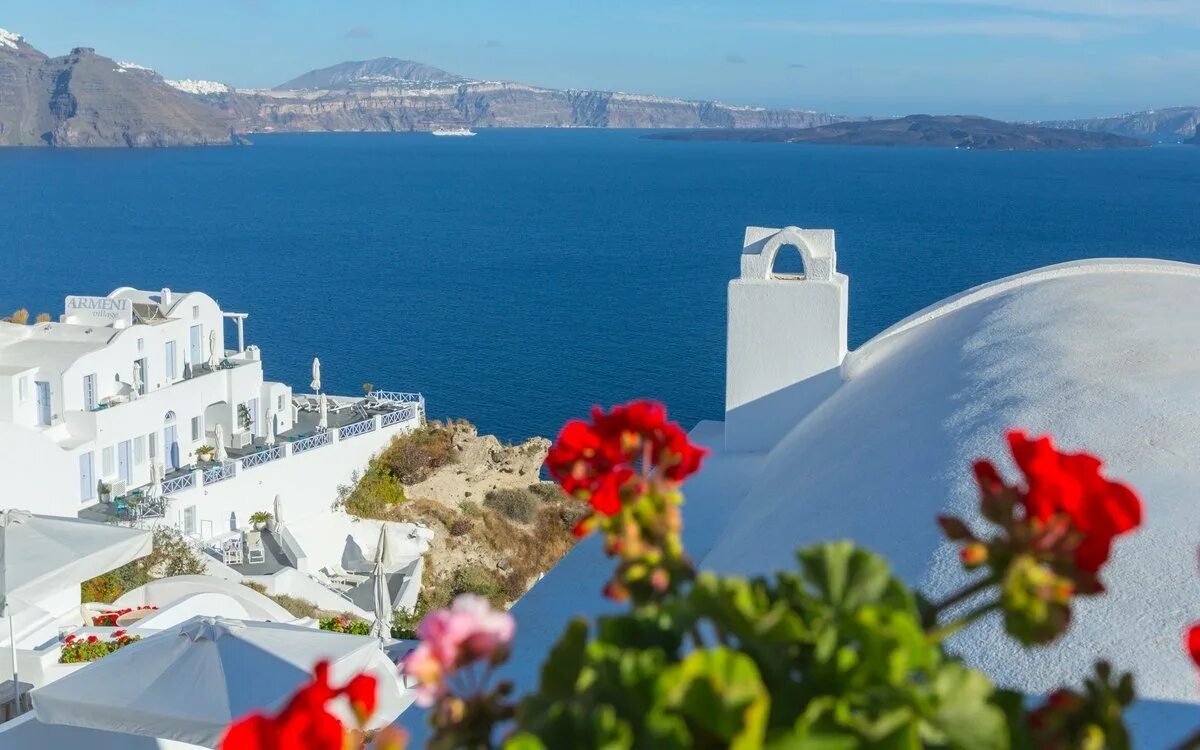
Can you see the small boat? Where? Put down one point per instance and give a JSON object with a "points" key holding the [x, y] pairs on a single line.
{"points": [[458, 132]]}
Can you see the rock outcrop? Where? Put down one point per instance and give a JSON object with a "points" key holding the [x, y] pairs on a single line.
{"points": [[1172, 124], [86, 99], [481, 464]]}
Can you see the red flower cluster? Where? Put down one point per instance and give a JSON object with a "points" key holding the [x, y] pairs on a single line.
{"points": [[594, 461], [305, 723], [1193, 643], [1068, 485]]}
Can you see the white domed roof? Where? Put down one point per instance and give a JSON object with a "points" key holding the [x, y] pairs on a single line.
{"points": [[1104, 356]]}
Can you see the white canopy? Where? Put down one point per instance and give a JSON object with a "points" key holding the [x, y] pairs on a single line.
{"points": [[316, 373], [190, 682], [26, 732], [164, 592], [219, 436], [40, 555]]}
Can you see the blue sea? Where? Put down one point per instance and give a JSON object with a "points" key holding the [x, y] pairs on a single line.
{"points": [[518, 277]]}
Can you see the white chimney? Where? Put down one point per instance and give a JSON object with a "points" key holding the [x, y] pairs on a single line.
{"points": [[787, 336], [164, 298]]}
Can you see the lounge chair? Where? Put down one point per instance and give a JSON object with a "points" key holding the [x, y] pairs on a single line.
{"points": [[340, 574], [254, 547]]}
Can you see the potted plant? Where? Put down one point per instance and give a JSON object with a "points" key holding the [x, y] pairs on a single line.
{"points": [[367, 388], [244, 416], [205, 453], [104, 490], [259, 519]]}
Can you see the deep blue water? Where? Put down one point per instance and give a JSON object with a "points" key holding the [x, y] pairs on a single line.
{"points": [[520, 276]]}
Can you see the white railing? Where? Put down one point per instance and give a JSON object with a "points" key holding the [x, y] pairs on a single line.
{"points": [[402, 414], [178, 484], [397, 396], [310, 442], [356, 428], [219, 473], [262, 457]]}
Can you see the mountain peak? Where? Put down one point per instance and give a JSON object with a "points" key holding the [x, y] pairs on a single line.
{"points": [[381, 71]]}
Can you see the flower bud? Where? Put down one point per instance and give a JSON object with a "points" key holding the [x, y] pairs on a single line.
{"points": [[974, 554]]}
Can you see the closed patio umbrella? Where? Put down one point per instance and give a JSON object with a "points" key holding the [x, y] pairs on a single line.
{"points": [[40, 555], [213, 361], [189, 682], [381, 627], [323, 411], [154, 491], [219, 433], [137, 379], [269, 437], [316, 373], [278, 517]]}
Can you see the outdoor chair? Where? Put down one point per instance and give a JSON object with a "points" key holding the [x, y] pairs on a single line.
{"points": [[254, 547], [340, 574], [231, 551]]}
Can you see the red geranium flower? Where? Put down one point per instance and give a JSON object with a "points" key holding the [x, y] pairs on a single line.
{"points": [[361, 692], [1070, 484], [595, 461], [1193, 643]]}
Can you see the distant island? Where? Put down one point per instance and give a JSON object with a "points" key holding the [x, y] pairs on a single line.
{"points": [[86, 99], [938, 131]]}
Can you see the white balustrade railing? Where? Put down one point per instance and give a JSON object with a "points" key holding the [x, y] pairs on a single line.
{"points": [[356, 428], [402, 414], [178, 484], [397, 396], [310, 442], [219, 473], [262, 457]]}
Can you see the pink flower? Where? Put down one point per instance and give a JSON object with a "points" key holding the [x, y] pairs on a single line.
{"points": [[453, 638]]}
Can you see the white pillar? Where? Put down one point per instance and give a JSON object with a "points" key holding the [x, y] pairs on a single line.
{"points": [[241, 335], [786, 337]]}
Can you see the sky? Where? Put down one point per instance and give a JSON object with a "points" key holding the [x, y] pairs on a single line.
{"points": [[1013, 59]]}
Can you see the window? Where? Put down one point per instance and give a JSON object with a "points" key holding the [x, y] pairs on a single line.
{"points": [[89, 392], [197, 429], [195, 312], [108, 462], [172, 365], [139, 450], [152, 444], [280, 407], [141, 345], [23, 389]]}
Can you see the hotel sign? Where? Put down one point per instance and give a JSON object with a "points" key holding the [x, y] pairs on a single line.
{"points": [[103, 311]]}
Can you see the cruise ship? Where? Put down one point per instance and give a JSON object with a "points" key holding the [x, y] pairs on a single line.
{"points": [[457, 132]]}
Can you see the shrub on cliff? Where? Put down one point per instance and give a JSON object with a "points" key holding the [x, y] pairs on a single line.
{"points": [[516, 504], [413, 457], [547, 492], [173, 555], [375, 495], [476, 579]]}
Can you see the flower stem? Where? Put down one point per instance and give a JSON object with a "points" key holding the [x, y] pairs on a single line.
{"points": [[975, 588], [945, 631]]}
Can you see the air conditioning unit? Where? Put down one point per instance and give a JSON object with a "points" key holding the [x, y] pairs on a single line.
{"points": [[241, 440], [118, 487]]}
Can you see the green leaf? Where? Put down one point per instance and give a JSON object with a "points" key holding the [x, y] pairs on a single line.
{"points": [[720, 695], [965, 713], [561, 671], [848, 578], [523, 741]]}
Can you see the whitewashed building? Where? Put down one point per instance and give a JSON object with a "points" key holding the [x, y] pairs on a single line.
{"points": [[820, 442], [133, 379]]}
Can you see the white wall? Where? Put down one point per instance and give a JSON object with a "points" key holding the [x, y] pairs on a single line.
{"points": [[307, 482], [35, 474]]}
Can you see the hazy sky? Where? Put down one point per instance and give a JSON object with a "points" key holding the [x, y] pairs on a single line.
{"points": [[1005, 58]]}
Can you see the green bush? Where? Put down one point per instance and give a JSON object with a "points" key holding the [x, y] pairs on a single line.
{"points": [[515, 504], [411, 458], [476, 579], [294, 605], [375, 495], [346, 623], [547, 492], [469, 508]]}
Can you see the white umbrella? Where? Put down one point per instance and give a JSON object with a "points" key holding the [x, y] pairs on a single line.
{"points": [[43, 554], [155, 489], [381, 628], [212, 350], [316, 381], [137, 379], [190, 681], [269, 437], [278, 517], [219, 433], [323, 410]]}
